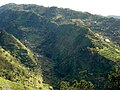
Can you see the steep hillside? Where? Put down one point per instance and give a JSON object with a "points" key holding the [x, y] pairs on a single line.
{"points": [[80, 53], [69, 44], [18, 65], [100, 24], [17, 49], [25, 25], [8, 85]]}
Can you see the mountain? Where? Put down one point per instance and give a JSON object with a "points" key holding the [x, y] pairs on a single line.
{"points": [[66, 44], [48, 15], [114, 16], [18, 65], [80, 54]]}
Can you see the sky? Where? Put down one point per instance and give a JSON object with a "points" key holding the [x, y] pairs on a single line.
{"points": [[100, 7]]}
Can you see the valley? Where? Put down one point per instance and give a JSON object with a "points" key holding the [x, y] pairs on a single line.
{"points": [[46, 48]]}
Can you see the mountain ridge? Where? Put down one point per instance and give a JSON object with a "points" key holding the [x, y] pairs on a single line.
{"points": [[14, 70], [69, 44]]}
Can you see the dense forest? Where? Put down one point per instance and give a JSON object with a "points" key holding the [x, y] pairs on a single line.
{"points": [[46, 48]]}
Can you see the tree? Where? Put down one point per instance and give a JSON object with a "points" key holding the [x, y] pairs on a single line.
{"points": [[114, 78], [64, 85], [82, 85]]}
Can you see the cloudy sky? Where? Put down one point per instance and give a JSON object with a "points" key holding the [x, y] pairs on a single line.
{"points": [[101, 7]]}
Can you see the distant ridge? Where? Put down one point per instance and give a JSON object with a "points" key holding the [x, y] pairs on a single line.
{"points": [[114, 16]]}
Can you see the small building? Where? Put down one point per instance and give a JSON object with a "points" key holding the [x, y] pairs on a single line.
{"points": [[107, 40]]}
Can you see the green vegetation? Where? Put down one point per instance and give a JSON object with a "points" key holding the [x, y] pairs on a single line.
{"points": [[113, 82], [13, 70], [8, 85], [82, 85], [69, 46]]}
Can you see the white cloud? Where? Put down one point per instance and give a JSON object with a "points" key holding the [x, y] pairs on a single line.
{"points": [[104, 7]]}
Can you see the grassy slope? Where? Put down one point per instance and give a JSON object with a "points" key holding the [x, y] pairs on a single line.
{"points": [[9, 85], [105, 48], [10, 43], [11, 67]]}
